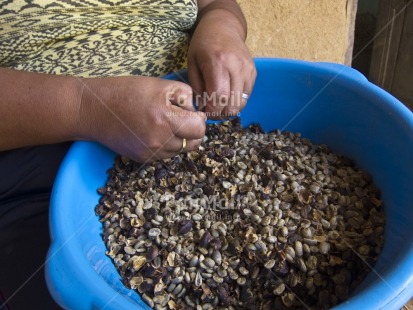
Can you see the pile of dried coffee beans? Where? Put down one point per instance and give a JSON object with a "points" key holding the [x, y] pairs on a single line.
{"points": [[251, 220]]}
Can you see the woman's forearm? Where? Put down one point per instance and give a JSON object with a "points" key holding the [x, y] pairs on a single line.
{"points": [[219, 63], [229, 10], [37, 108], [143, 118]]}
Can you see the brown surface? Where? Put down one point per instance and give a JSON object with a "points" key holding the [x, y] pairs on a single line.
{"points": [[392, 61], [315, 30]]}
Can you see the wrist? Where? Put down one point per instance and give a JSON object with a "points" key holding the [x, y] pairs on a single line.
{"points": [[227, 11], [89, 97], [71, 110]]}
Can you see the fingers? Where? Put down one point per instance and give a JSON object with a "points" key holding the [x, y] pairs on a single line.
{"points": [[218, 90], [179, 123], [188, 130], [240, 87], [186, 124], [236, 102], [173, 148], [191, 145], [225, 85], [198, 85], [180, 94], [251, 75]]}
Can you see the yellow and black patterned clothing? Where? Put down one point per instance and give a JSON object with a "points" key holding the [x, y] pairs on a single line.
{"points": [[95, 38]]}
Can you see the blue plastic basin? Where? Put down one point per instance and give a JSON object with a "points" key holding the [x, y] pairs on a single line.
{"points": [[327, 103]]}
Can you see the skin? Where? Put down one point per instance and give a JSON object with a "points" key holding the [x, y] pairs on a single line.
{"points": [[219, 63], [142, 118]]}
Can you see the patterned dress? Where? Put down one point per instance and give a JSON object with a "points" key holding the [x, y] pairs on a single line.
{"points": [[96, 38]]}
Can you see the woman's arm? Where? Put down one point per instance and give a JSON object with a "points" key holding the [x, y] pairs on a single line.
{"points": [[37, 108], [228, 6], [220, 66], [140, 117]]}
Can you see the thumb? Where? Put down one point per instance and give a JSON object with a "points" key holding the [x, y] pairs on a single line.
{"points": [[187, 124]]}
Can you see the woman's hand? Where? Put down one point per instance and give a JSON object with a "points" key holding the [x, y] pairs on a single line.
{"points": [[142, 118], [220, 67]]}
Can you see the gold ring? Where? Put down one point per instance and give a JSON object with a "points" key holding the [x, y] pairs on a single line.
{"points": [[183, 146]]}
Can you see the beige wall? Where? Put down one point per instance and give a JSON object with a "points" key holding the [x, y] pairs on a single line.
{"points": [[315, 30]]}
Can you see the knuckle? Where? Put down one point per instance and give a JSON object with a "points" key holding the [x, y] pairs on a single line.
{"points": [[153, 144], [254, 71], [180, 86], [220, 55], [157, 119]]}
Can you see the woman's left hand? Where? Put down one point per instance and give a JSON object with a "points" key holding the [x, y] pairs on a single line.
{"points": [[220, 66]]}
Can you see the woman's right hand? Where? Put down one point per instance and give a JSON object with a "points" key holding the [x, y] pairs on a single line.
{"points": [[143, 118]]}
